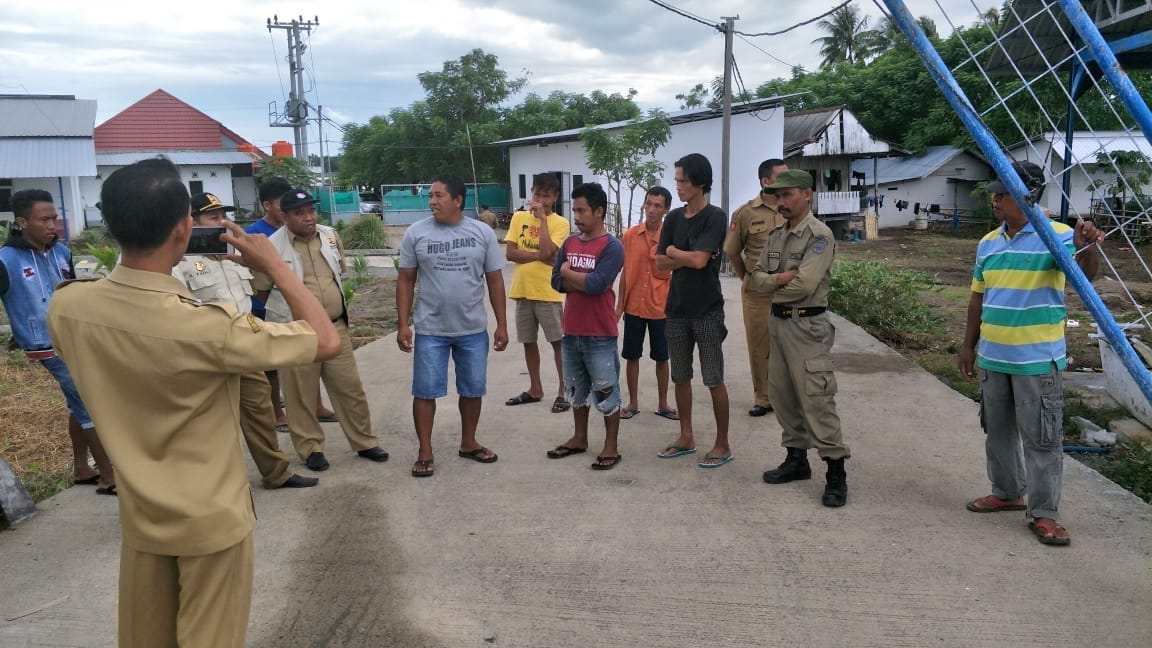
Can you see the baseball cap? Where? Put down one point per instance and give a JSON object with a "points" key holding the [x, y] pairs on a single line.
{"points": [[1029, 172], [791, 179], [296, 197], [206, 202]]}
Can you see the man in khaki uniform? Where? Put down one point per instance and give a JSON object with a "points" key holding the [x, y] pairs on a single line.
{"points": [[161, 371], [795, 269], [487, 217], [746, 237], [315, 254], [214, 279]]}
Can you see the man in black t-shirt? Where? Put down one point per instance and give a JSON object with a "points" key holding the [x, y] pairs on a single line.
{"points": [[690, 247]]}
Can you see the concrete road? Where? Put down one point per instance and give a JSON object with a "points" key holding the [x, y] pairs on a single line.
{"points": [[533, 552]]}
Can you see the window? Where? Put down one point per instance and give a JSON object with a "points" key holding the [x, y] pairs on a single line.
{"points": [[577, 180], [523, 188], [195, 186], [5, 194]]}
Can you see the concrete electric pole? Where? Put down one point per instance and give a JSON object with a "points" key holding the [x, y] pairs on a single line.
{"points": [[726, 128], [295, 114]]}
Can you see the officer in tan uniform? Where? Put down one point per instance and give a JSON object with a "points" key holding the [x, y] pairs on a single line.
{"points": [[795, 269], [314, 253], [746, 237], [222, 281], [161, 372]]}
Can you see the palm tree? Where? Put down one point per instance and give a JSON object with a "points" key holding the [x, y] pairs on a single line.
{"points": [[848, 37], [887, 33]]}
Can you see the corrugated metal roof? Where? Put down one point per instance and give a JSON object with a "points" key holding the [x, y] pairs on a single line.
{"points": [[179, 158], [805, 126], [680, 117], [46, 117], [47, 157], [896, 169]]}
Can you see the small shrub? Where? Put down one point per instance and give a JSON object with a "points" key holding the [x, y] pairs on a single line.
{"points": [[106, 257], [365, 233], [93, 237], [883, 301], [3, 233]]}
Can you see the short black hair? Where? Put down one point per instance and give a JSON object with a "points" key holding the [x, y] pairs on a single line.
{"points": [[273, 188], [698, 170], [765, 170], [485, 207], [23, 200], [594, 194], [547, 181], [663, 193], [454, 184], [143, 202]]}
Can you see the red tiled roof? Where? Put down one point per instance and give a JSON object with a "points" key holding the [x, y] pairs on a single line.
{"points": [[161, 122]]}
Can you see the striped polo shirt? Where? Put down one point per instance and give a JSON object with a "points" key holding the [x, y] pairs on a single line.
{"points": [[1022, 320]]}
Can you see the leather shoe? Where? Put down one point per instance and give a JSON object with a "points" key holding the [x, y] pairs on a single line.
{"points": [[317, 461], [296, 481], [375, 454], [759, 410]]}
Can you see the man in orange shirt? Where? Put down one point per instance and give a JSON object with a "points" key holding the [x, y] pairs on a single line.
{"points": [[643, 293]]}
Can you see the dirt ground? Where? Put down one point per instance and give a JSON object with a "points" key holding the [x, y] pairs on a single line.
{"points": [[372, 313]]}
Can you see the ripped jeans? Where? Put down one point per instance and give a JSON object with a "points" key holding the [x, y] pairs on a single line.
{"points": [[592, 372]]}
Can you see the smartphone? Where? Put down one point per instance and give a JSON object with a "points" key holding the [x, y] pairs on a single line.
{"points": [[206, 241]]}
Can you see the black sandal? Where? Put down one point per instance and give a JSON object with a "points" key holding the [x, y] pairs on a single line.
{"points": [[426, 464], [562, 451], [606, 463]]}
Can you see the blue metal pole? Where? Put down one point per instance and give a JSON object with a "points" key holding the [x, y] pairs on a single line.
{"points": [[1003, 165], [1075, 80]]}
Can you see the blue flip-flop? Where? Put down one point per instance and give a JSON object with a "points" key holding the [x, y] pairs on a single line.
{"points": [[680, 451], [707, 457]]}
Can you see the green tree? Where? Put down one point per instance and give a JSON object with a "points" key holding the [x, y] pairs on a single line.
{"points": [[624, 158], [847, 38], [1124, 170], [294, 170]]}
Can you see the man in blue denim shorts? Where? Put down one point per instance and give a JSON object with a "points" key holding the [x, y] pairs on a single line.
{"points": [[585, 269], [454, 258]]}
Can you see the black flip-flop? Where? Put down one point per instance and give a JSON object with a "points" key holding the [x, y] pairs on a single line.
{"points": [[611, 462], [523, 398], [111, 490], [423, 463], [562, 451], [474, 455], [91, 481]]}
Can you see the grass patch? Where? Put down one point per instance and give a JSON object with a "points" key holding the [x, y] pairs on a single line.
{"points": [[34, 427], [884, 301], [1129, 465], [365, 233]]}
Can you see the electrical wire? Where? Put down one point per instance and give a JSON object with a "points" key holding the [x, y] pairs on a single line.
{"points": [[276, 62], [766, 52], [685, 14], [797, 25]]}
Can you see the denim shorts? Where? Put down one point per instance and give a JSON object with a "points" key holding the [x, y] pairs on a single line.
{"points": [[634, 328], [430, 365], [591, 366], [59, 371]]}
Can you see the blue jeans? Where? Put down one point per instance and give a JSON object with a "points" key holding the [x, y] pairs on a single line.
{"points": [[591, 368], [59, 371], [430, 365]]}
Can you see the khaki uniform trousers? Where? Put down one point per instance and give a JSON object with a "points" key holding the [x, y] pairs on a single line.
{"points": [[757, 315], [803, 385], [258, 424], [186, 601], [342, 381]]}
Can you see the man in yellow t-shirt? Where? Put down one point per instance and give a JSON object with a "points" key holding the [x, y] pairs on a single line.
{"points": [[534, 237]]}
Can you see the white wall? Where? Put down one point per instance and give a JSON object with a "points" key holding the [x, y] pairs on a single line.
{"points": [[69, 204], [754, 139], [221, 185], [934, 189]]}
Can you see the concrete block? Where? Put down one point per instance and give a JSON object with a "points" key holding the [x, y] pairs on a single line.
{"points": [[1131, 430]]}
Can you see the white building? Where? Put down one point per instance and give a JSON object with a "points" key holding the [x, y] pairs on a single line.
{"points": [[935, 182], [46, 142], [757, 134]]}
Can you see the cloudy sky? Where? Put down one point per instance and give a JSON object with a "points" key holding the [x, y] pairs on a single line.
{"points": [[219, 56]]}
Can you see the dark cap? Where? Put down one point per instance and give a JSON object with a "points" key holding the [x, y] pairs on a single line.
{"points": [[296, 197], [202, 203], [791, 179], [1029, 172]]}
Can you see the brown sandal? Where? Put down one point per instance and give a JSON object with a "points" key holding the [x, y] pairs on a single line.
{"points": [[1049, 532], [993, 504]]}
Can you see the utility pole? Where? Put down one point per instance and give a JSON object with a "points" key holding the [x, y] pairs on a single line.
{"points": [[726, 129], [295, 113]]}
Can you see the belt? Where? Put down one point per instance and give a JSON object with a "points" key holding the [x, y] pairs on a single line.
{"points": [[40, 354], [787, 312]]}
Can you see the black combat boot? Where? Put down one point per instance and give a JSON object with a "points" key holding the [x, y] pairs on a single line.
{"points": [[795, 467], [836, 490]]}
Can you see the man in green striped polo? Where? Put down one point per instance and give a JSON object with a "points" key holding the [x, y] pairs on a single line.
{"points": [[1015, 339]]}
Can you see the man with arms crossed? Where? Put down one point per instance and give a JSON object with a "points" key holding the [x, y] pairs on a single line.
{"points": [[455, 259], [643, 296], [533, 238], [746, 237], [690, 248], [162, 371], [586, 267]]}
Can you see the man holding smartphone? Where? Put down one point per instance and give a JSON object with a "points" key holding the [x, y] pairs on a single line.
{"points": [[211, 278]]}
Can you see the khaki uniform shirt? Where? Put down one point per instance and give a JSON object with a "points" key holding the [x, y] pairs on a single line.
{"points": [[221, 281], [160, 373], [315, 272], [808, 248], [487, 217], [748, 233]]}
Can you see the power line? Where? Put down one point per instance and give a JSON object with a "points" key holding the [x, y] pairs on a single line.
{"points": [[685, 14], [766, 52], [276, 60], [799, 24]]}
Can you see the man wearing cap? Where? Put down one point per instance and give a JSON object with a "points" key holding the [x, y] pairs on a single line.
{"points": [[1014, 340], [214, 279], [315, 253], [746, 237], [487, 217], [795, 268]]}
